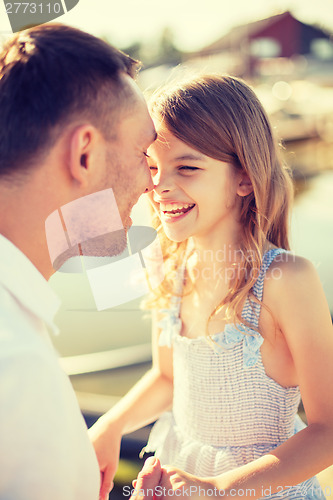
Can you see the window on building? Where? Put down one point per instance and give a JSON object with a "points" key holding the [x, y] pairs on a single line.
{"points": [[265, 47], [322, 48]]}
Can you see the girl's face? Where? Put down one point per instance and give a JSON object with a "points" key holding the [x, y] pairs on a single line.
{"points": [[194, 195]]}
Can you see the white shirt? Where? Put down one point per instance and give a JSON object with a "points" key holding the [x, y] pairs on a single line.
{"points": [[45, 452]]}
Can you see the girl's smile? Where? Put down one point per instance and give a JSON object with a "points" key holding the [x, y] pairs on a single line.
{"points": [[174, 211]]}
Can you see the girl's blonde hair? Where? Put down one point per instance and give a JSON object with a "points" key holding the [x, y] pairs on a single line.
{"points": [[221, 117]]}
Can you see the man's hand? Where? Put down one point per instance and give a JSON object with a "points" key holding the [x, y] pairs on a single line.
{"points": [[148, 479], [106, 440]]}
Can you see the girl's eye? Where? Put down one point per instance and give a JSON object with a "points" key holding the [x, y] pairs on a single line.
{"points": [[153, 168], [188, 169], [146, 154]]}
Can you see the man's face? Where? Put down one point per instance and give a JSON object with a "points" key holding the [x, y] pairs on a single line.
{"points": [[128, 172], [100, 220], [97, 222]]}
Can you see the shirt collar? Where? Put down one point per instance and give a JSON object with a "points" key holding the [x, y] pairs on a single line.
{"points": [[26, 284]]}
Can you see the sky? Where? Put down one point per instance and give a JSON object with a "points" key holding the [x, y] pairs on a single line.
{"points": [[195, 23]]}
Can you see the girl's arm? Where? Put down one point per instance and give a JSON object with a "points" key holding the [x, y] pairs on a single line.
{"points": [[147, 399], [298, 303]]}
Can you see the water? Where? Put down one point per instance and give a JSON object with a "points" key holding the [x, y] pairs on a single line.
{"points": [[312, 228]]}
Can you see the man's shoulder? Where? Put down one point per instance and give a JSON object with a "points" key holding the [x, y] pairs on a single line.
{"points": [[18, 331], [26, 368], [27, 359]]}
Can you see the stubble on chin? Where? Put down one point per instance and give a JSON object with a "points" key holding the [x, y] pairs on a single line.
{"points": [[106, 245]]}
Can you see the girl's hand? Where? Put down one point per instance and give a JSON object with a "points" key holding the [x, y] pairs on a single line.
{"points": [[106, 440]]}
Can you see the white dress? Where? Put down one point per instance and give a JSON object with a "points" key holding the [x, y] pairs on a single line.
{"points": [[226, 410]]}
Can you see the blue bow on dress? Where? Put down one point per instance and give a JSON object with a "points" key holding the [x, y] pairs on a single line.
{"points": [[233, 334]]}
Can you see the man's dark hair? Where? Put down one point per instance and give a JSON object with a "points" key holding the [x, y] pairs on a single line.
{"points": [[51, 75]]}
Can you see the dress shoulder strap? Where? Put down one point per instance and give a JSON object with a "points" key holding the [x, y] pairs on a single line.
{"points": [[251, 310]]}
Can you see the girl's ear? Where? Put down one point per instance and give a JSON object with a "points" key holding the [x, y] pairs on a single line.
{"points": [[82, 152], [245, 185]]}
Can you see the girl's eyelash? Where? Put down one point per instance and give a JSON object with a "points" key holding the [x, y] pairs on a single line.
{"points": [[146, 154], [152, 167]]}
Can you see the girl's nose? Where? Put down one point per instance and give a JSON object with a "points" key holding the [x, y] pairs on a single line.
{"points": [[162, 183], [158, 190]]}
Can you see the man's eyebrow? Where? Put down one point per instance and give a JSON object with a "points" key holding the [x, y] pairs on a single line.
{"points": [[154, 136], [190, 157]]}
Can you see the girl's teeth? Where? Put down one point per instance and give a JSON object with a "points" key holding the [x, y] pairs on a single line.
{"points": [[169, 207], [174, 215], [182, 209]]}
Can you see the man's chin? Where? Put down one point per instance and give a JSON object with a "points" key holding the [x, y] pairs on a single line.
{"points": [[106, 245]]}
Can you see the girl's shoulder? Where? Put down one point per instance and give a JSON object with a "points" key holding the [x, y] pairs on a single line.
{"points": [[294, 294], [286, 274], [289, 272]]}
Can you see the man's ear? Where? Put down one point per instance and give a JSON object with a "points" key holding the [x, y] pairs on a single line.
{"points": [[244, 185], [82, 153]]}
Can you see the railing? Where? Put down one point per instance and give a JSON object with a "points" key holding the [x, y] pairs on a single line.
{"points": [[106, 360]]}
